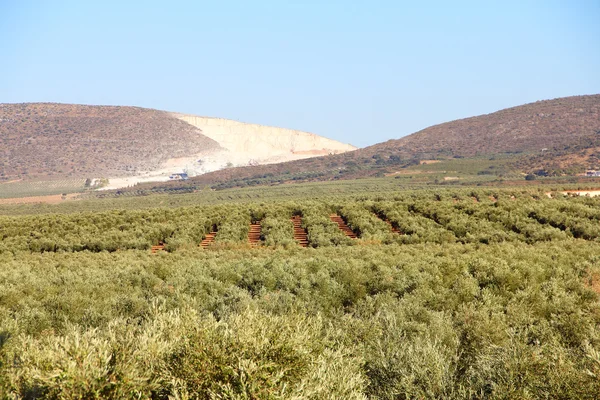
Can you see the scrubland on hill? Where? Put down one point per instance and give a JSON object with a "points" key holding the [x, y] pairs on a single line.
{"points": [[551, 137], [78, 141], [49, 141]]}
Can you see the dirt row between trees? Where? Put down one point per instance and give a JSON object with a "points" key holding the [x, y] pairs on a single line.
{"points": [[342, 225], [254, 234], [209, 238], [392, 227], [300, 233]]}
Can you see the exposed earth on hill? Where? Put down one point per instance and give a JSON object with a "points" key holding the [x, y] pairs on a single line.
{"points": [[551, 137], [129, 145]]}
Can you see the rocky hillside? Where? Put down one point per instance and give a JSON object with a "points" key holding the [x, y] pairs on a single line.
{"points": [[45, 140], [550, 124], [558, 135], [63, 140]]}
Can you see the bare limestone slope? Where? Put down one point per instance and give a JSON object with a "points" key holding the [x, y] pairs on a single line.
{"points": [[552, 135], [129, 145], [254, 144], [240, 145]]}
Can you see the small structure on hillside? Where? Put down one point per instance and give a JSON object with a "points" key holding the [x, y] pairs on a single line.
{"points": [[592, 172], [180, 176]]}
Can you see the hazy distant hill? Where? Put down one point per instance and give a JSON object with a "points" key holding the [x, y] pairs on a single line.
{"points": [[557, 134], [47, 140], [549, 124], [43, 140]]}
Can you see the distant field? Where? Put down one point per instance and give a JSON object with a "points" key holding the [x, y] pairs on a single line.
{"points": [[40, 188]]}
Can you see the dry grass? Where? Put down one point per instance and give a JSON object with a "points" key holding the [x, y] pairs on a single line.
{"points": [[595, 282], [51, 199]]}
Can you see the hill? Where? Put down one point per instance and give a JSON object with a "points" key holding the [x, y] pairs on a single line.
{"points": [[550, 124], [552, 136], [52, 141], [42, 140], [253, 144]]}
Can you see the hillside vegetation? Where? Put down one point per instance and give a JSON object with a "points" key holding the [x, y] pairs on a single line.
{"points": [[78, 141], [554, 136], [551, 124]]}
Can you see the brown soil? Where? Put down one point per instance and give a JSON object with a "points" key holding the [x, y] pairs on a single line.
{"points": [[208, 239], [254, 234], [342, 225], [392, 227], [51, 199], [157, 248], [300, 233]]}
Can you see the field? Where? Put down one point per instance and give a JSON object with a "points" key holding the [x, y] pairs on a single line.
{"points": [[456, 293], [20, 189]]}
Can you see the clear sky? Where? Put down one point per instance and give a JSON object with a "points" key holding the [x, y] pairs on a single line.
{"points": [[356, 71]]}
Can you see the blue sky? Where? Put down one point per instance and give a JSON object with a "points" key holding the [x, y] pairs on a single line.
{"points": [[360, 72]]}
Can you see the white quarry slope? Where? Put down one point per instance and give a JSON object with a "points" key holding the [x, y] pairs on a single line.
{"points": [[242, 144], [258, 144]]}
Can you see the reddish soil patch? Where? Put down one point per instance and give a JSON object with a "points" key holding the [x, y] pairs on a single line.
{"points": [[393, 228], [209, 238], [342, 225], [254, 234], [157, 248], [300, 234]]}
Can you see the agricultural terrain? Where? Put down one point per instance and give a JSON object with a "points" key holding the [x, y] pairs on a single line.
{"points": [[463, 265], [364, 289]]}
